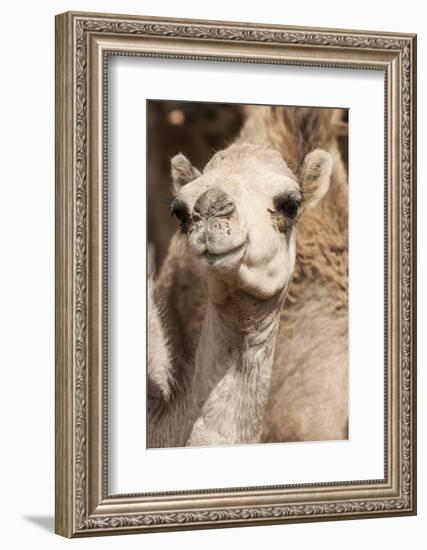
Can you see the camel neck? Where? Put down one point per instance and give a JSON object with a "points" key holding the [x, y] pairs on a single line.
{"points": [[233, 370]]}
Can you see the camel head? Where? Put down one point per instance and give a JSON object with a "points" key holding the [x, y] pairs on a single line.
{"points": [[238, 217]]}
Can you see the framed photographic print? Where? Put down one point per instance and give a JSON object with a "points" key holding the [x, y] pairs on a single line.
{"points": [[235, 274]]}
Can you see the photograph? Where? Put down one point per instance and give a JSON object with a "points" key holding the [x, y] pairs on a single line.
{"points": [[247, 290], [235, 273]]}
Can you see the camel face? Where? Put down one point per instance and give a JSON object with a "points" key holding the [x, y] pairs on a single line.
{"points": [[238, 217]]}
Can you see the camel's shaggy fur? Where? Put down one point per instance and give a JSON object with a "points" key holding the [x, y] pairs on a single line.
{"points": [[308, 396]]}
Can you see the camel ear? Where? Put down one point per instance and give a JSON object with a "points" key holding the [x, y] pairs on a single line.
{"points": [[182, 171], [315, 176]]}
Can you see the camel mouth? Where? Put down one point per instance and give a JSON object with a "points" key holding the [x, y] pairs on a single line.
{"points": [[229, 257]]}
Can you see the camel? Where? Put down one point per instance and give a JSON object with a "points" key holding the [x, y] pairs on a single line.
{"points": [[252, 227]]}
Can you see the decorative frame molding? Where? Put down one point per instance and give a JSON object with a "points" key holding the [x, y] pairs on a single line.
{"points": [[83, 43]]}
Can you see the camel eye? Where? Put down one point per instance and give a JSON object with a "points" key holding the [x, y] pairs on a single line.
{"points": [[179, 209], [287, 205]]}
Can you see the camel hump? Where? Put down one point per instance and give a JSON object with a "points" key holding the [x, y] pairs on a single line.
{"points": [[315, 127], [294, 131]]}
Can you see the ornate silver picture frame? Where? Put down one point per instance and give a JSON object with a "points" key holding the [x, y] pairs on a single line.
{"points": [[84, 43]]}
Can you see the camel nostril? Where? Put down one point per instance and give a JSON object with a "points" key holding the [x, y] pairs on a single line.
{"points": [[227, 210]]}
